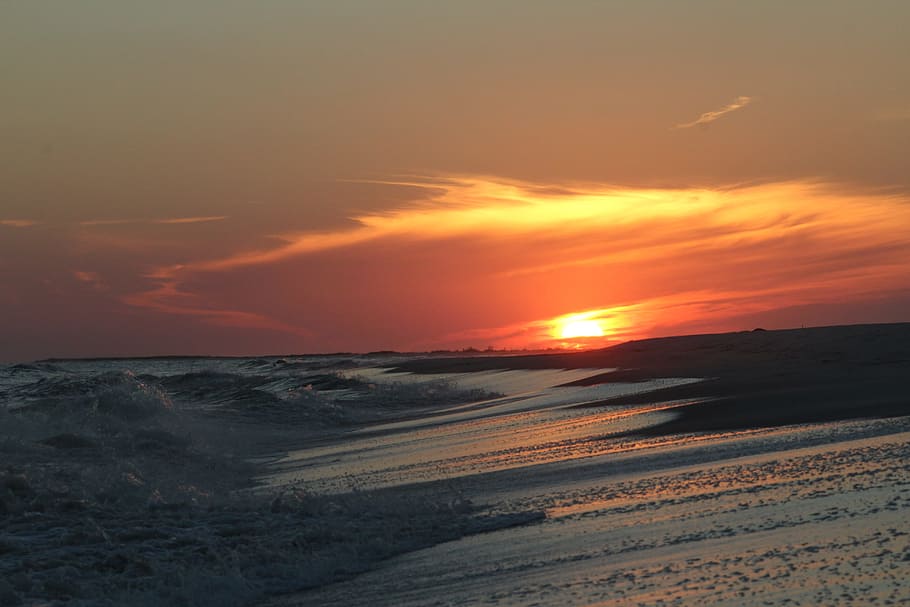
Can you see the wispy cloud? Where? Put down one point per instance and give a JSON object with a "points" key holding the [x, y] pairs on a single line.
{"points": [[18, 223], [709, 117], [182, 220], [166, 221], [166, 297], [90, 278]]}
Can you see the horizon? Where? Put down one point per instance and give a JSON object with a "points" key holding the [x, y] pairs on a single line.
{"points": [[223, 179], [466, 351]]}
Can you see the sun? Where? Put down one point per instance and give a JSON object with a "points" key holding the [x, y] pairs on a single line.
{"points": [[580, 328], [587, 329]]}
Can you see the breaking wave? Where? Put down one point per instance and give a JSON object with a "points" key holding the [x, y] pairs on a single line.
{"points": [[129, 482]]}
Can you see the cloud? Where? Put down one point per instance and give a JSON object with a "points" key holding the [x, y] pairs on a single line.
{"points": [[639, 221], [709, 117], [90, 278], [647, 256], [18, 223], [166, 221], [183, 220], [166, 297], [684, 311], [469, 206]]}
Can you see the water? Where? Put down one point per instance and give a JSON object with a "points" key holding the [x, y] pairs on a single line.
{"points": [[132, 481], [233, 481]]}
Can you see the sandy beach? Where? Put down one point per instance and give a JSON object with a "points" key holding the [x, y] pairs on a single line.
{"points": [[752, 468], [782, 477]]}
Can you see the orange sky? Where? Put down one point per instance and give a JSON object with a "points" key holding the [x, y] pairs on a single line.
{"points": [[219, 178]]}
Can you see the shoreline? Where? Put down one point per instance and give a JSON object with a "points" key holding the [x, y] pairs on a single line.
{"points": [[752, 379]]}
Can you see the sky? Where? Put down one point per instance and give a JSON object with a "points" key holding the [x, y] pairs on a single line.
{"points": [[227, 177]]}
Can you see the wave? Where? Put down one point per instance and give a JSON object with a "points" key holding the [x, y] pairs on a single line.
{"points": [[36, 367], [117, 394], [131, 483]]}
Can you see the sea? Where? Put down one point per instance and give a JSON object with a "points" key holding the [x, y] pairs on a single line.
{"points": [[343, 480]]}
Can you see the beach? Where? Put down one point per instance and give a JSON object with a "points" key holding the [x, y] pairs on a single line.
{"points": [[750, 468]]}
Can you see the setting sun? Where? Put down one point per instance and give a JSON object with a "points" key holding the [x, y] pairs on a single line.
{"points": [[581, 328], [589, 328]]}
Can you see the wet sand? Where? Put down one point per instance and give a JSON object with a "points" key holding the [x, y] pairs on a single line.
{"points": [[824, 525], [752, 379], [781, 478]]}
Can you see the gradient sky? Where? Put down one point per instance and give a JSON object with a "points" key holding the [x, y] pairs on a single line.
{"points": [[229, 177]]}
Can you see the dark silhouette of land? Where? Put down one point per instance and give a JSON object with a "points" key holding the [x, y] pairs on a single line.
{"points": [[753, 379]]}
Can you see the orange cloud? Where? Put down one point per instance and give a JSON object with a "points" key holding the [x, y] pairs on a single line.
{"points": [[18, 223], [90, 278], [630, 224], [705, 308], [167, 298], [654, 257]]}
